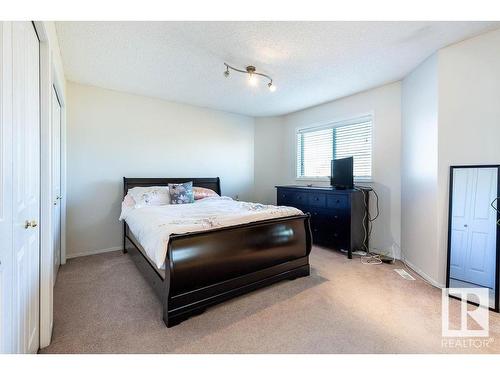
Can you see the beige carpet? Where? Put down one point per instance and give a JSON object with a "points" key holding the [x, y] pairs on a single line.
{"points": [[103, 305]]}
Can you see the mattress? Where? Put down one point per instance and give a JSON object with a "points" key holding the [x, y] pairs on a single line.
{"points": [[153, 225]]}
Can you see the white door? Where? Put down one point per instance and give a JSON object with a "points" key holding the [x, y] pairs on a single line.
{"points": [[26, 185], [6, 258], [474, 226], [56, 183]]}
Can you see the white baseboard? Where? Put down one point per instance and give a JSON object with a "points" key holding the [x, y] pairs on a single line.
{"points": [[422, 274], [93, 252]]}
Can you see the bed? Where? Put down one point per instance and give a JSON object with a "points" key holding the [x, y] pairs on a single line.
{"points": [[205, 267]]}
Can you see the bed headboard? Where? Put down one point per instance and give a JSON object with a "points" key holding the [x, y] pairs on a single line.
{"points": [[205, 182]]}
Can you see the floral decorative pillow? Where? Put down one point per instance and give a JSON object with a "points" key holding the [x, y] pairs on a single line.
{"points": [[149, 196], [200, 193], [181, 193]]}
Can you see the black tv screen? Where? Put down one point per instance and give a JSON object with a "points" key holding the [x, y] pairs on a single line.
{"points": [[342, 176]]}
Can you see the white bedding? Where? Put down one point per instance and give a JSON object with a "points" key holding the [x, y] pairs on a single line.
{"points": [[153, 225]]}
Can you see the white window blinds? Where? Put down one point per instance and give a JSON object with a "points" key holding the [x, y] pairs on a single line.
{"points": [[316, 147]]}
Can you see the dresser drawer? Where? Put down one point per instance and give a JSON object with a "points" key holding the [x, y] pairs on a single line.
{"points": [[336, 239], [329, 217], [336, 201], [285, 197], [317, 199], [301, 199], [329, 223], [340, 218], [293, 198], [333, 240]]}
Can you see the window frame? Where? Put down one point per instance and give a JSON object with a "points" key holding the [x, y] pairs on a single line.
{"points": [[334, 124]]}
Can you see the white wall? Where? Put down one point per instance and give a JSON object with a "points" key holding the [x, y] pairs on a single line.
{"points": [[419, 166], [112, 134], [469, 116], [451, 116], [270, 164], [277, 163]]}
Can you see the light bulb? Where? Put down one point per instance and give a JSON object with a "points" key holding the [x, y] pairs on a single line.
{"points": [[272, 87], [252, 79]]}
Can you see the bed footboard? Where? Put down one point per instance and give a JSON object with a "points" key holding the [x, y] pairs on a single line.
{"points": [[208, 267]]}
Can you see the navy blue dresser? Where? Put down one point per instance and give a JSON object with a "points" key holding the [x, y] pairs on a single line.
{"points": [[337, 216]]}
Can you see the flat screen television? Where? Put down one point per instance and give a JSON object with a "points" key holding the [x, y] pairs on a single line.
{"points": [[342, 176]]}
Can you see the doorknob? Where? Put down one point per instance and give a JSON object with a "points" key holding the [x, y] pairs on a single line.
{"points": [[465, 225], [31, 224]]}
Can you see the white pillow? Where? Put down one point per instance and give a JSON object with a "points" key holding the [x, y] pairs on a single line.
{"points": [[150, 196]]}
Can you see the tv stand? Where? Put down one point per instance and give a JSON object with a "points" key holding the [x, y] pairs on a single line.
{"points": [[337, 215]]}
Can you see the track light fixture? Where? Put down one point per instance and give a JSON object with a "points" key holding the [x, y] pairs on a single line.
{"points": [[252, 75]]}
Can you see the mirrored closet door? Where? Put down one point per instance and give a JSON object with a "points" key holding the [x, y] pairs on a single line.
{"points": [[474, 231]]}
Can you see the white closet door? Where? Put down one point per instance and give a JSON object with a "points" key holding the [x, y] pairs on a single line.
{"points": [[481, 244], [26, 185], [56, 183], [6, 258]]}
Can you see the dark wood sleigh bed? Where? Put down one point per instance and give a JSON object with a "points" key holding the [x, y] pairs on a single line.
{"points": [[207, 267]]}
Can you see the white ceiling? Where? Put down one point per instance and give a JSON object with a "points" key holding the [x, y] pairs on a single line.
{"points": [[310, 62]]}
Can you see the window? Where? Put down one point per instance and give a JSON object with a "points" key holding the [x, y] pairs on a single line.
{"points": [[316, 147]]}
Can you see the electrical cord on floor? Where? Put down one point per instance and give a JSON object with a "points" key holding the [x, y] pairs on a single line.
{"points": [[368, 258], [371, 259]]}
